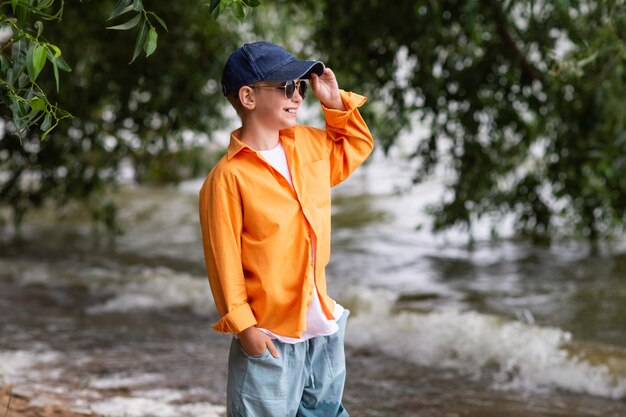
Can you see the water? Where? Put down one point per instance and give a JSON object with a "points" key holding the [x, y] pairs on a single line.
{"points": [[439, 327]]}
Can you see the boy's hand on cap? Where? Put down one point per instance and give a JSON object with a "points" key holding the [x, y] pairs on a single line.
{"points": [[326, 89]]}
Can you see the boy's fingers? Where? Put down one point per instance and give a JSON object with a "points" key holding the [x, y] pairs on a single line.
{"points": [[314, 80], [272, 348]]}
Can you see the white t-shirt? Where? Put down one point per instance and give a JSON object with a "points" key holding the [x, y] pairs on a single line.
{"points": [[316, 322]]}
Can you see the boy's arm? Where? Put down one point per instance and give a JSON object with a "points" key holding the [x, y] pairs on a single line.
{"points": [[350, 141], [221, 222]]}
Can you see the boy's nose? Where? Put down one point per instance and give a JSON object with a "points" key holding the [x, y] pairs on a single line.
{"points": [[296, 96]]}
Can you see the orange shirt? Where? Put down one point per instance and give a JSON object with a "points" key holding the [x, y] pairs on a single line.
{"points": [[255, 226]]}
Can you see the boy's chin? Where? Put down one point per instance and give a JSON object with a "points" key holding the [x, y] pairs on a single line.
{"points": [[289, 123]]}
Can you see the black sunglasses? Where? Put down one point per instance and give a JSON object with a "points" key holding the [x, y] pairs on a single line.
{"points": [[289, 87]]}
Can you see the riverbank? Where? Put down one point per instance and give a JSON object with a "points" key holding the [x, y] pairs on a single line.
{"points": [[121, 327], [169, 364], [13, 404], [377, 386]]}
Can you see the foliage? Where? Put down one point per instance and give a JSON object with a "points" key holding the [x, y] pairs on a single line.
{"points": [[23, 55], [152, 118], [522, 99], [238, 7], [24, 52], [30, 52]]}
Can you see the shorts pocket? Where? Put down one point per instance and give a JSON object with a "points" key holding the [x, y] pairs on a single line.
{"points": [[265, 376], [334, 348], [259, 356]]}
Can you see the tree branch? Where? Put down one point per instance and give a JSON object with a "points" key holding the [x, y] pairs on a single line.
{"points": [[528, 69]]}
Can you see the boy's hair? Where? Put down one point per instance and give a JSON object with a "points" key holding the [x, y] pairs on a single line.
{"points": [[263, 61], [235, 101]]}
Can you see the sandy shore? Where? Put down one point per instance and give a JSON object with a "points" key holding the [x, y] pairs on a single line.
{"points": [[16, 405]]}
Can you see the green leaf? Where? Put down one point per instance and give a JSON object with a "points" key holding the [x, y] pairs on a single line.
{"points": [[22, 109], [238, 11], [216, 13], [30, 62], [137, 5], [21, 13], [14, 5], [54, 55], [151, 43], [127, 25], [224, 4], [123, 6], [5, 63], [252, 3], [47, 122], [158, 19], [44, 4], [17, 116], [213, 5], [56, 73], [23, 81], [63, 66], [38, 104], [19, 52], [55, 49], [34, 115], [39, 59], [141, 39], [35, 60], [10, 76]]}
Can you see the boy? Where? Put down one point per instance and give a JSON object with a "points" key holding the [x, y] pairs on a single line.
{"points": [[265, 217]]}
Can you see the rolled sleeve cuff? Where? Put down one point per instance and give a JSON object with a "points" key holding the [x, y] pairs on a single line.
{"points": [[236, 321], [339, 118]]}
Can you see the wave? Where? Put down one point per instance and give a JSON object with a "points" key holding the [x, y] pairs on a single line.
{"points": [[158, 403], [118, 287], [15, 364], [32, 373], [517, 355]]}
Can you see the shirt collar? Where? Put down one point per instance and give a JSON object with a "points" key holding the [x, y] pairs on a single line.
{"points": [[236, 145]]}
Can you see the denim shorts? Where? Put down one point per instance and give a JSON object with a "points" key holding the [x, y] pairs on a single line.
{"points": [[307, 379]]}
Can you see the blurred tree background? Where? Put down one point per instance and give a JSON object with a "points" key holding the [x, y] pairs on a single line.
{"points": [[152, 117], [523, 101]]}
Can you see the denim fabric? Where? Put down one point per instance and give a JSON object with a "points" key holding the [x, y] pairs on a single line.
{"points": [[264, 61], [307, 379]]}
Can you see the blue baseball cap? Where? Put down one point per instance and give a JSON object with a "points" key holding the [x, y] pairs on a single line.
{"points": [[264, 61]]}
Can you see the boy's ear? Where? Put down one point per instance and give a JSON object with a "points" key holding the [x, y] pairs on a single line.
{"points": [[247, 97]]}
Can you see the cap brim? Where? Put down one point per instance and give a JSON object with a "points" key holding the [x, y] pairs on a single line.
{"points": [[296, 70]]}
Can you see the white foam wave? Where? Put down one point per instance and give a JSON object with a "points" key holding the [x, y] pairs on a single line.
{"points": [[156, 288], [520, 355], [118, 381], [157, 403], [126, 287], [35, 374], [14, 365]]}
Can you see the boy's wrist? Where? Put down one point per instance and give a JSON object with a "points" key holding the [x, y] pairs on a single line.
{"points": [[335, 103], [247, 330]]}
